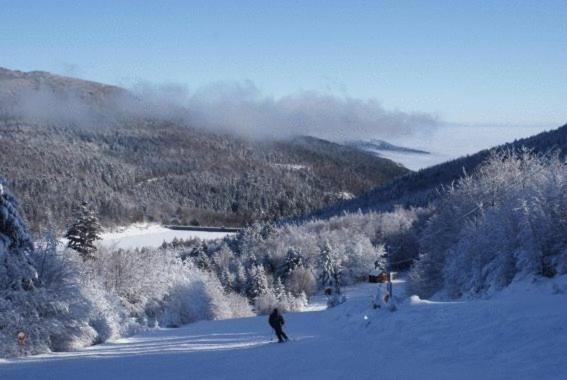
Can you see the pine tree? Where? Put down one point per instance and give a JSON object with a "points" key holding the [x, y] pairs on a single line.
{"points": [[293, 260], [330, 268], [200, 256], [326, 263], [257, 282], [251, 261], [83, 233], [16, 270], [267, 230], [225, 278], [380, 263], [248, 238], [279, 289], [240, 280]]}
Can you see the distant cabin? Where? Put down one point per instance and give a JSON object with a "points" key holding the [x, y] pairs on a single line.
{"points": [[378, 277]]}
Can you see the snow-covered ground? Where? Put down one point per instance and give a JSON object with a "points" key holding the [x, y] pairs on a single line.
{"points": [[520, 333], [151, 235]]}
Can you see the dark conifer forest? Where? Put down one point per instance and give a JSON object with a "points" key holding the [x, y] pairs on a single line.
{"points": [[132, 163]]}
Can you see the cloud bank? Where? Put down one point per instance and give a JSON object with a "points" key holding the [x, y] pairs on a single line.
{"points": [[242, 108], [228, 107]]}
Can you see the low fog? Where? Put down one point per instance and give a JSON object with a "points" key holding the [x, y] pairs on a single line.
{"points": [[242, 108], [235, 107]]}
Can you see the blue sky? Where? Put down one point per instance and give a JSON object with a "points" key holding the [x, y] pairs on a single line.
{"points": [[500, 62]]}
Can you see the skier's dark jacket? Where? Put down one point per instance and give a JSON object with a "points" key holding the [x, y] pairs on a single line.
{"points": [[276, 320]]}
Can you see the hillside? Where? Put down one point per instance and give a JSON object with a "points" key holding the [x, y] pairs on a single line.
{"points": [[419, 188], [380, 146], [67, 140]]}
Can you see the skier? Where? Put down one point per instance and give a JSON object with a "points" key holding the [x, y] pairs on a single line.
{"points": [[276, 321]]}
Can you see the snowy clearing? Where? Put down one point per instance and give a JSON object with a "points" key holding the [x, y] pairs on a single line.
{"points": [[518, 334], [151, 235]]}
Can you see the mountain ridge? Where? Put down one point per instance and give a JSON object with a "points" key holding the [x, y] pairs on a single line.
{"points": [[377, 145], [419, 188], [70, 140]]}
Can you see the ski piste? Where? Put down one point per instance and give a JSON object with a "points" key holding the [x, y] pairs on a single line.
{"points": [[422, 340]]}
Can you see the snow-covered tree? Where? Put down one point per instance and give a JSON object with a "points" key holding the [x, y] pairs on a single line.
{"points": [[302, 282], [16, 269], [46, 305], [501, 222], [257, 281], [82, 234], [226, 280], [199, 256], [267, 230], [293, 260], [330, 268], [240, 279], [248, 238], [279, 288]]}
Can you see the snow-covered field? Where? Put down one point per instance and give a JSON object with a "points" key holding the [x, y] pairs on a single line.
{"points": [[520, 333], [151, 235]]}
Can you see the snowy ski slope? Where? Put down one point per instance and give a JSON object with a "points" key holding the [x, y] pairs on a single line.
{"points": [[520, 333]]}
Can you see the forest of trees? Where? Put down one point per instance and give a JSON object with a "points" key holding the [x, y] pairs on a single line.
{"points": [[425, 186], [158, 171], [135, 164], [504, 222], [67, 300]]}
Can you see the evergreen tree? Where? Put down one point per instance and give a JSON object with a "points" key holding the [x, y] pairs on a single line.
{"points": [[248, 238], [200, 256], [16, 269], [251, 261], [326, 262], [240, 281], [380, 263], [257, 282], [279, 289], [83, 232], [225, 278], [293, 260], [267, 230], [330, 268]]}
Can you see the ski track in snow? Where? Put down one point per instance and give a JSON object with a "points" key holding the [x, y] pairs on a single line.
{"points": [[518, 334]]}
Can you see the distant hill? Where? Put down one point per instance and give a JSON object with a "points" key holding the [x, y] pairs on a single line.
{"points": [[377, 146], [65, 140], [419, 188]]}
